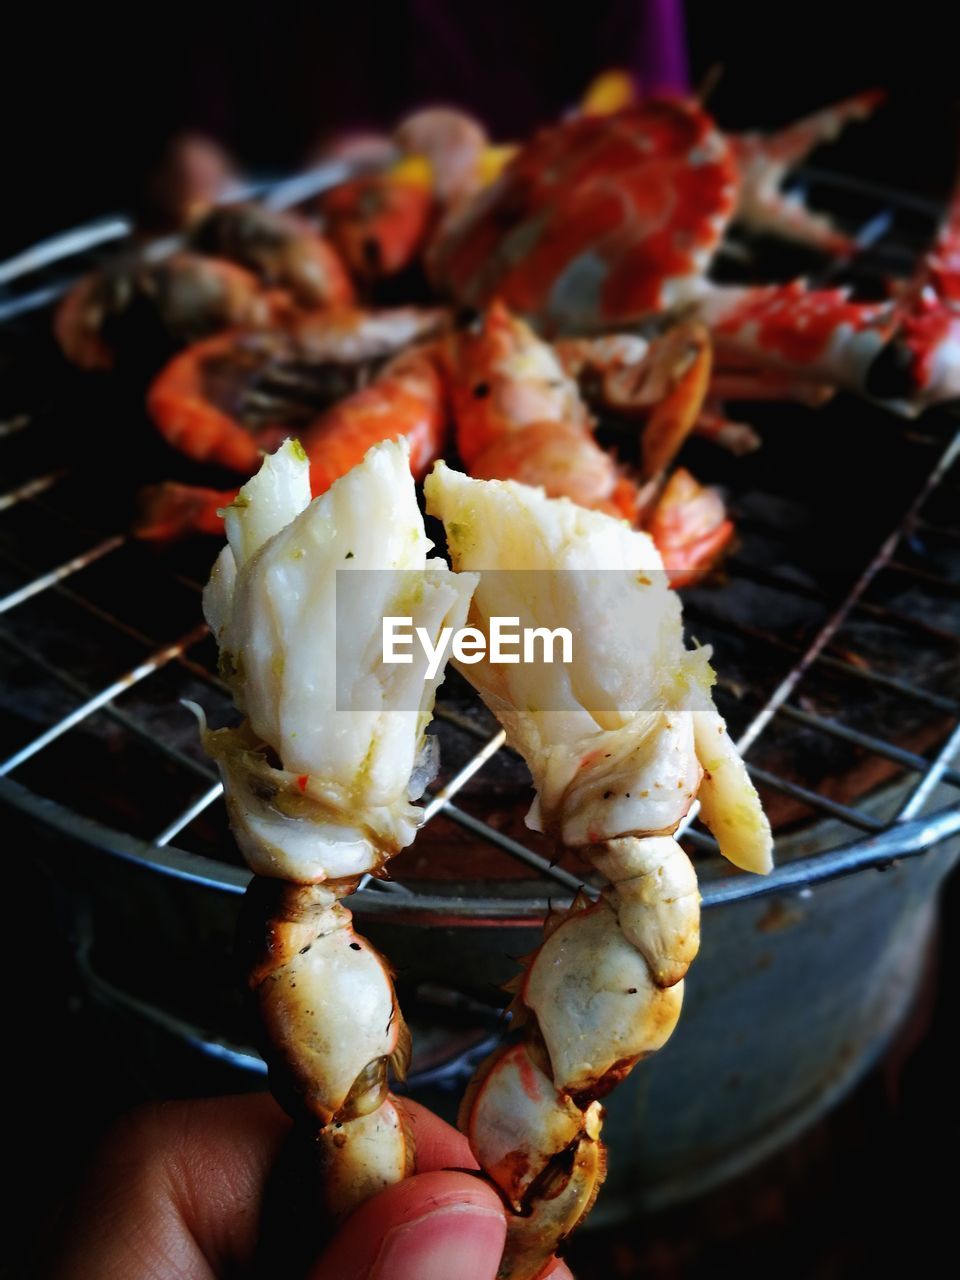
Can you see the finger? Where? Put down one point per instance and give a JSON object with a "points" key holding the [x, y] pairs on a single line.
{"points": [[175, 1190], [438, 1145], [433, 1226]]}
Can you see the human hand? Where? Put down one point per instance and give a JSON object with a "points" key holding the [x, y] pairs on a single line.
{"points": [[182, 1190]]}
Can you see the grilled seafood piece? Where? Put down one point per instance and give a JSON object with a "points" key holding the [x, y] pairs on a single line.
{"points": [[238, 394], [134, 304], [382, 222], [283, 250], [405, 399], [603, 222], [321, 780], [379, 223], [519, 415], [765, 159], [920, 365], [620, 742], [516, 411]]}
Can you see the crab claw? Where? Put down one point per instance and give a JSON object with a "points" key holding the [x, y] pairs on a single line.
{"points": [[566, 1197], [920, 365], [517, 1121], [539, 1148], [764, 161]]}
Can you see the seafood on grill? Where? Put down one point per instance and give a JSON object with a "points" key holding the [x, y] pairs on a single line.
{"points": [[598, 221], [921, 365], [141, 306], [322, 777], [516, 411], [764, 160], [519, 415], [404, 399], [283, 250], [620, 743], [244, 267], [381, 222], [608, 221], [235, 395]]}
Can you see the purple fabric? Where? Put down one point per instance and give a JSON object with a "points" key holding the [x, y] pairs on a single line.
{"points": [[661, 52], [285, 75], [515, 65]]}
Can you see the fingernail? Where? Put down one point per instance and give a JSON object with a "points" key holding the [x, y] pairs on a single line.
{"points": [[456, 1242]]}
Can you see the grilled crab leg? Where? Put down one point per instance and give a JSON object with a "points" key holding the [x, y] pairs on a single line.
{"points": [[819, 336], [765, 159], [620, 742], [921, 365], [321, 776], [605, 222]]}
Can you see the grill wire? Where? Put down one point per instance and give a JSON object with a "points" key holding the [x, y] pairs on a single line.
{"points": [[876, 840]]}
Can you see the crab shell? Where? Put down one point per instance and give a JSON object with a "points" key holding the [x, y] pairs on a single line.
{"points": [[598, 221]]}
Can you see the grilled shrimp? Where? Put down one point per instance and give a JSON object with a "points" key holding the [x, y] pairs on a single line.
{"points": [[233, 396], [380, 222], [282, 249], [137, 305], [519, 416], [689, 526], [620, 740], [406, 400], [320, 783]]}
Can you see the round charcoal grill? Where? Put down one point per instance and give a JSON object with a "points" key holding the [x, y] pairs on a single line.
{"points": [[836, 630]]}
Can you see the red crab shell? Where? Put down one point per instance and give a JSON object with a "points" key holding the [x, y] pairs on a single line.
{"points": [[597, 221]]}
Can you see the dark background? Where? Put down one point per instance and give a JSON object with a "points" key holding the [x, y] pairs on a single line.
{"points": [[88, 97], [90, 93]]}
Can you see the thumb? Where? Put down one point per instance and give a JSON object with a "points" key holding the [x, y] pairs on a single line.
{"points": [[429, 1227]]}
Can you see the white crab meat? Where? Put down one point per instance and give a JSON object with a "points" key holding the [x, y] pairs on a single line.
{"points": [[296, 602], [595, 1000], [644, 780], [728, 803], [612, 738]]}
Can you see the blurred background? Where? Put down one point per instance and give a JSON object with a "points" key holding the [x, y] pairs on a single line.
{"points": [[90, 95], [89, 98]]}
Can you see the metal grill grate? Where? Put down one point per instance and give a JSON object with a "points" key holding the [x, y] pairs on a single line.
{"points": [[904, 596]]}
